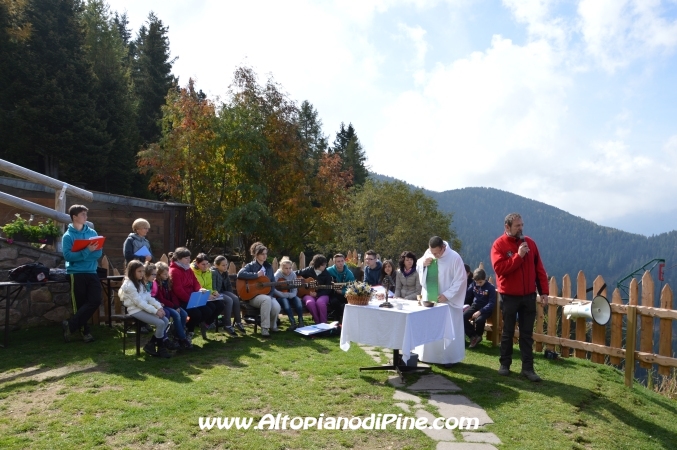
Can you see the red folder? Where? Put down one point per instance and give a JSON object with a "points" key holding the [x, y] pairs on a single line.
{"points": [[80, 244]]}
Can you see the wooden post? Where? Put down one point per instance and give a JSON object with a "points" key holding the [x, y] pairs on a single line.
{"points": [[539, 323], [616, 327], [665, 327], [275, 264], [497, 317], [566, 324], [646, 322], [493, 320], [60, 206], [598, 331], [581, 325], [165, 259], [630, 343], [232, 270], [302, 260], [552, 314], [481, 266]]}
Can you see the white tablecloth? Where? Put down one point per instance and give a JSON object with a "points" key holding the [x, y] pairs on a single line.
{"points": [[396, 329]]}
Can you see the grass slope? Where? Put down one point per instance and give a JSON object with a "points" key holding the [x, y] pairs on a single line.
{"points": [[56, 395]]}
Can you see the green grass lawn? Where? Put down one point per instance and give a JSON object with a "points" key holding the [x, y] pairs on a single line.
{"points": [[76, 395]]}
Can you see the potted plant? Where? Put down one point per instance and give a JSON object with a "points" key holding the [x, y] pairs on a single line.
{"points": [[21, 230]]}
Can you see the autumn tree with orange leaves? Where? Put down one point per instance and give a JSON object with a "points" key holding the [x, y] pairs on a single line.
{"points": [[245, 168]]}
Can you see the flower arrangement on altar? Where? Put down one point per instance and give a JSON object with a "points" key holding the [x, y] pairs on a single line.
{"points": [[359, 288]]}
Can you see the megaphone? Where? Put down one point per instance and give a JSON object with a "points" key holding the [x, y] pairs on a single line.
{"points": [[598, 310]]}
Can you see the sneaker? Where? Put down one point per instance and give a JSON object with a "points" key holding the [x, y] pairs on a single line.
{"points": [[172, 345], [87, 338], [475, 340], [301, 324], [230, 331], [531, 375], [186, 345], [203, 330], [265, 332], [190, 335], [275, 329], [504, 370], [150, 348], [292, 325], [240, 328], [162, 350], [66, 331], [145, 330]]}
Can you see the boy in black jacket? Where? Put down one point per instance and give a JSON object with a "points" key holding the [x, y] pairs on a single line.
{"points": [[483, 294]]}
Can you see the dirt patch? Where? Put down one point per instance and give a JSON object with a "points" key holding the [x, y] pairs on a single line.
{"points": [[37, 401], [289, 374]]}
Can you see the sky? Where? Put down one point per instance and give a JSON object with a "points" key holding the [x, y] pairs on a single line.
{"points": [[572, 103]]}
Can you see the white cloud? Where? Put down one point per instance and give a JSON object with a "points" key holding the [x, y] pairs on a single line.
{"points": [[417, 36], [494, 112], [617, 32]]}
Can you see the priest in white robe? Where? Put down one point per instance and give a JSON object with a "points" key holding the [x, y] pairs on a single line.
{"points": [[451, 287]]}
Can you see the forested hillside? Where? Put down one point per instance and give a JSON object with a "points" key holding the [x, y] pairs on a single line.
{"points": [[567, 243]]}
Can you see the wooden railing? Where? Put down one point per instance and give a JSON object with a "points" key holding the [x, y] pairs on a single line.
{"points": [[58, 214]]}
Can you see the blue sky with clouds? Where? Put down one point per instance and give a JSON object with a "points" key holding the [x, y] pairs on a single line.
{"points": [[572, 103]]}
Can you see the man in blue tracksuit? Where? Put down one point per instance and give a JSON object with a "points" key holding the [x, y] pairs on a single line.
{"points": [[81, 267], [483, 295]]}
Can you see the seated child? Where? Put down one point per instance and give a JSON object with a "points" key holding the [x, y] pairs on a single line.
{"points": [[204, 276], [482, 307], [143, 307], [221, 284], [163, 293], [136, 240], [290, 297]]}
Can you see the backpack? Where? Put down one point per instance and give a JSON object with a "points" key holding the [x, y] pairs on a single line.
{"points": [[29, 273]]}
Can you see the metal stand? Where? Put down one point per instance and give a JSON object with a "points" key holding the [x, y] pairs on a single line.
{"points": [[400, 368], [386, 283]]}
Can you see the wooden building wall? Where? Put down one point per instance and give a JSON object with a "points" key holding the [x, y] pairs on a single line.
{"points": [[112, 216]]}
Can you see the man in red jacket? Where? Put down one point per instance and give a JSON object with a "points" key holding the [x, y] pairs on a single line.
{"points": [[520, 276]]}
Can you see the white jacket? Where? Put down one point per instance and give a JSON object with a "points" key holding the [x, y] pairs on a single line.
{"points": [[136, 301]]}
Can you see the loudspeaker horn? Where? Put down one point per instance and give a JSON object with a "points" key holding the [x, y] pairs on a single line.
{"points": [[598, 310]]}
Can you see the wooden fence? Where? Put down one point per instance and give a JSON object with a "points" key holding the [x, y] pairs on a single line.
{"points": [[611, 341]]}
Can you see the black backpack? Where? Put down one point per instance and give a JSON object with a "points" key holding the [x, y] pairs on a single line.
{"points": [[29, 273]]}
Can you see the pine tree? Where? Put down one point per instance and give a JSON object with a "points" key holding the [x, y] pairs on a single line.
{"points": [[313, 139], [152, 76], [55, 117], [113, 94], [348, 147]]}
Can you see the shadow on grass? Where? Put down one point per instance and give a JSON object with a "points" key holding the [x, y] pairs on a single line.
{"points": [[36, 356], [485, 382]]}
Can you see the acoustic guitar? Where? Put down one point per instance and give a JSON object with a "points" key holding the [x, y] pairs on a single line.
{"points": [[248, 289], [309, 285]]}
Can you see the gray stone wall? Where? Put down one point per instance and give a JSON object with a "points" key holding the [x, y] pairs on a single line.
{"points": [[40, 305]]}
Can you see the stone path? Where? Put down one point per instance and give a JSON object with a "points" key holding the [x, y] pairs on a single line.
{"points": [[445, 400]]}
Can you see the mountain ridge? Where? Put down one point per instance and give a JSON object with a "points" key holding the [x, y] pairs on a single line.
{"points": [[567, 243]]}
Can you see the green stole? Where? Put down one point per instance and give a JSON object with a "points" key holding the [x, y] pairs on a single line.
{"points": [[431, 281]]}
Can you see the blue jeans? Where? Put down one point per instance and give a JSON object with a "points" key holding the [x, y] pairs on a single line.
{"points": [[295, 303], [179, 318]]}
